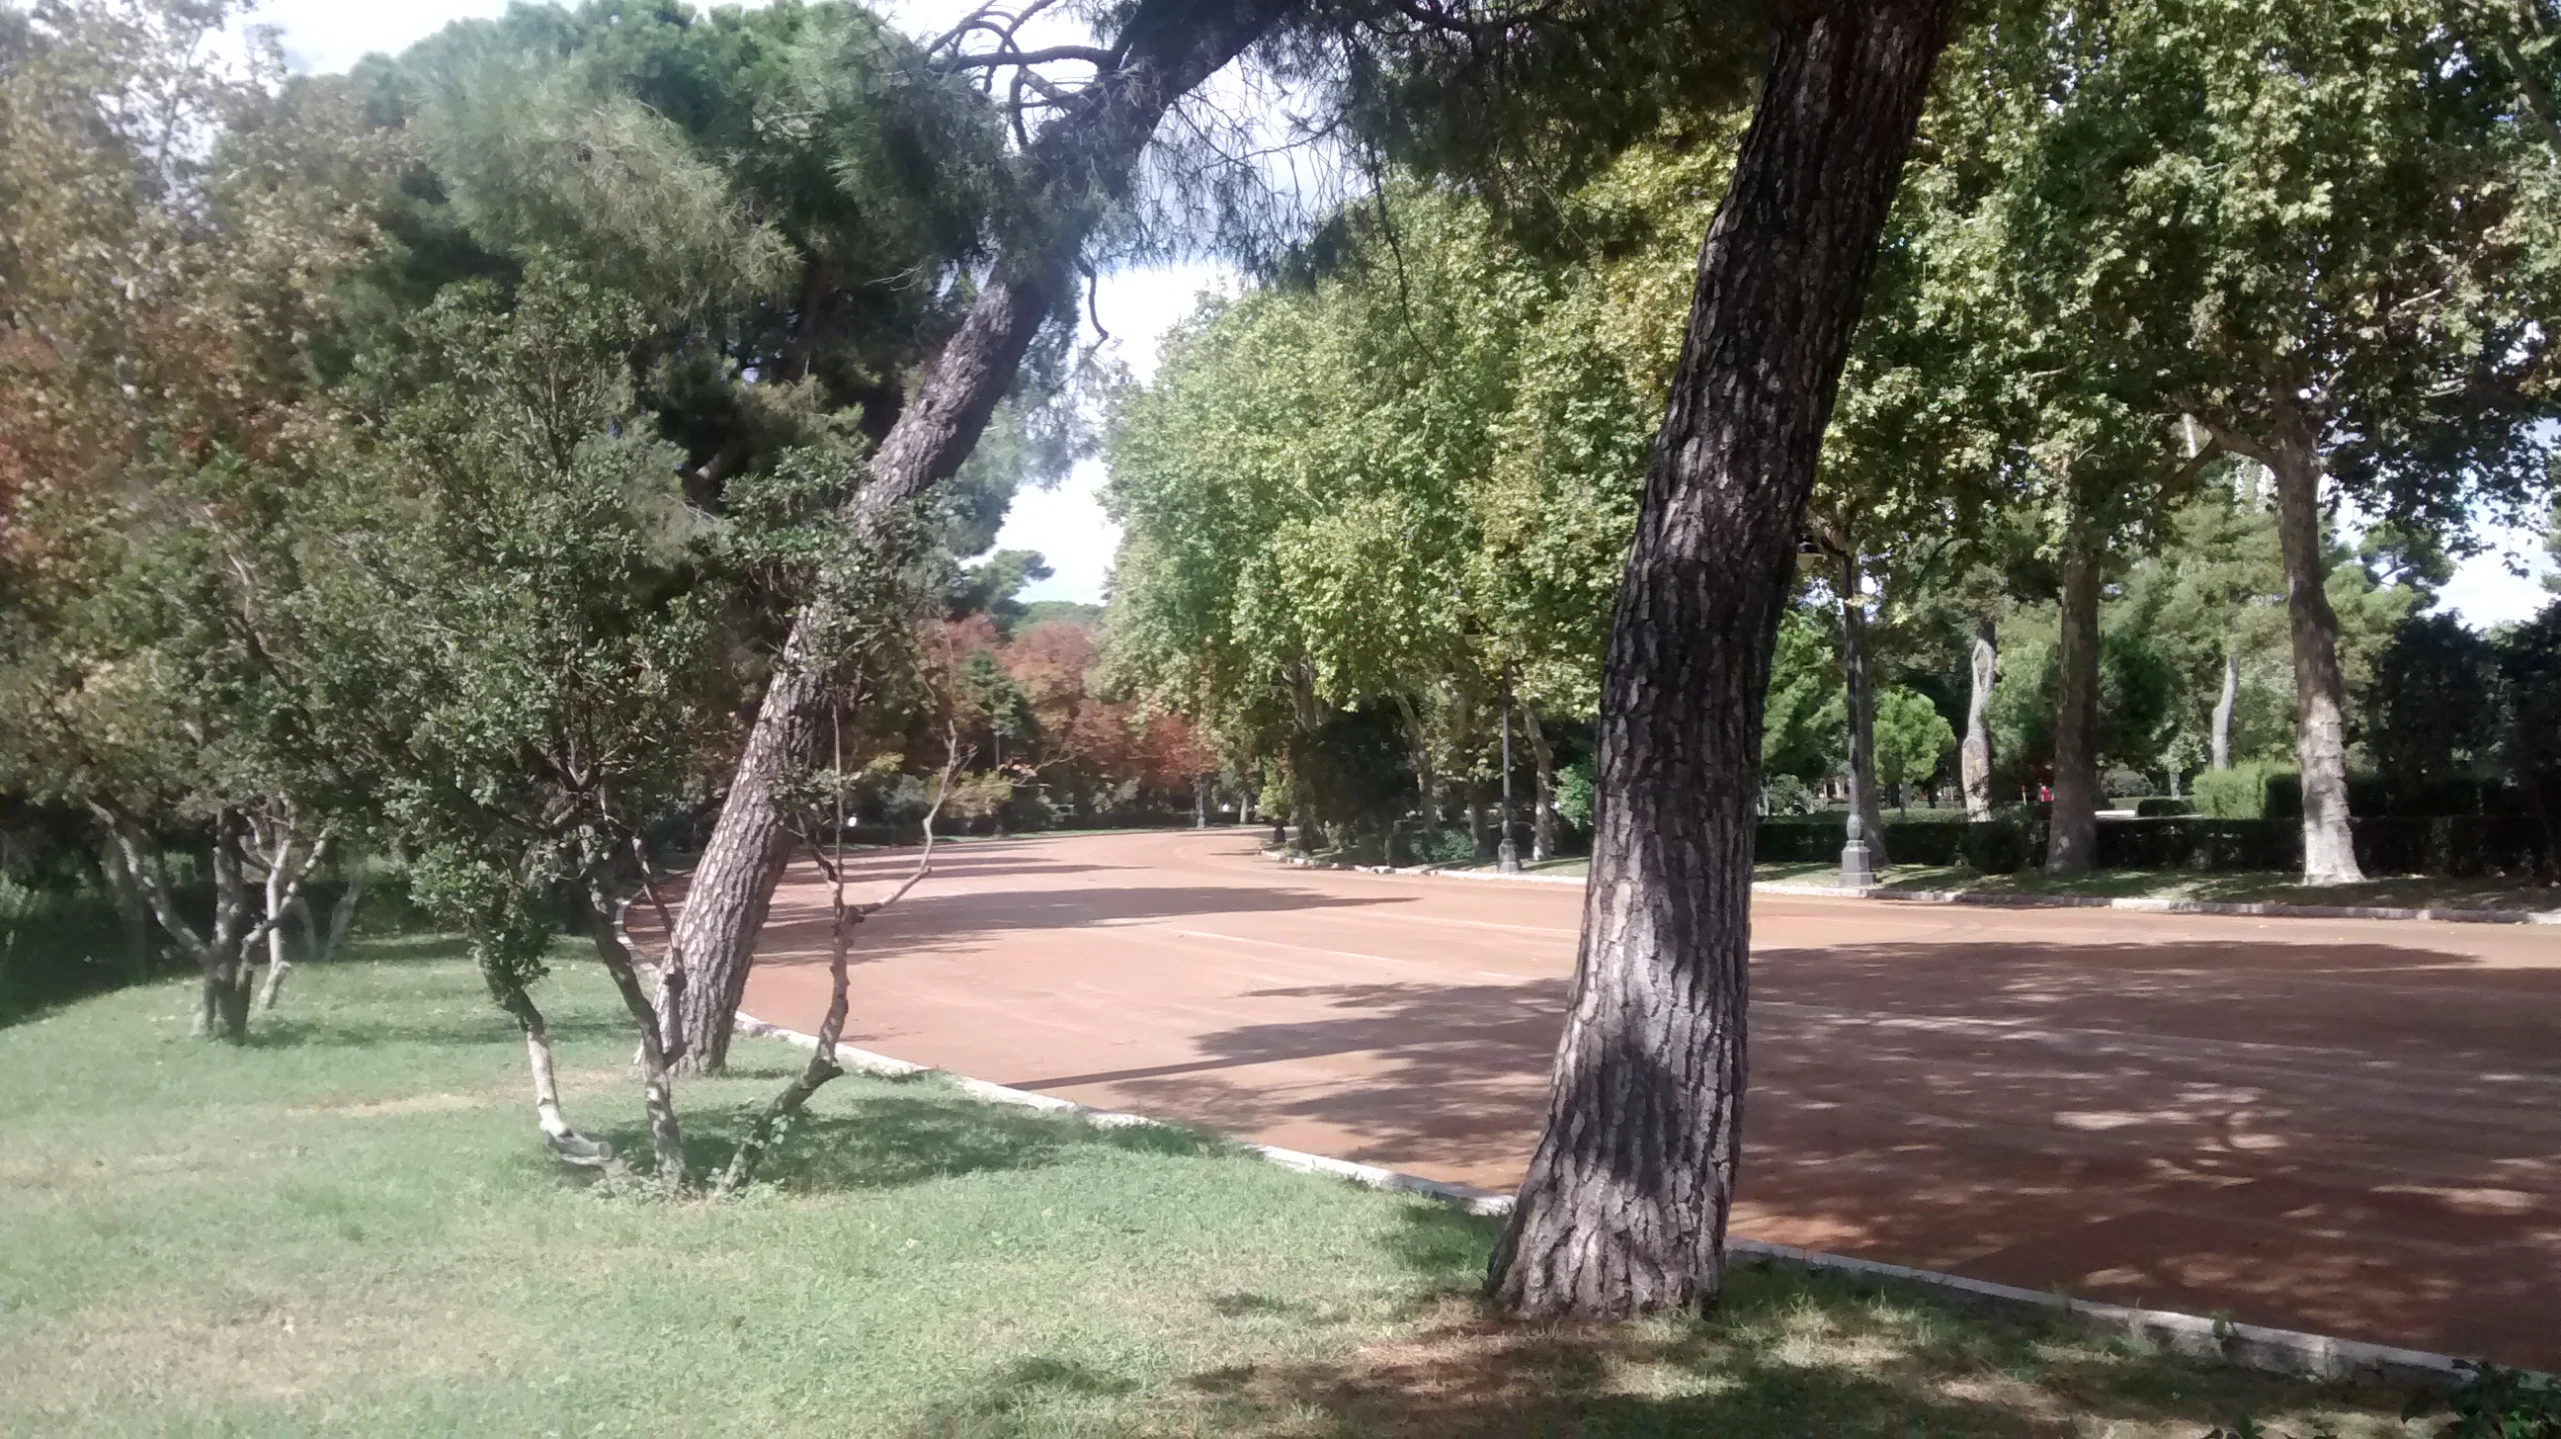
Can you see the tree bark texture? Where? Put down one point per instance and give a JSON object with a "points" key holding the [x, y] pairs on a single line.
{"points": [[2320, 743], [2220, 744], [1080, 164], [1974, 759], [2072, 834], [1624, 1205], [1859, 693], [1542, 824]]}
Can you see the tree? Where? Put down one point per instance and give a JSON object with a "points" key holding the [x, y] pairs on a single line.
{"points": [[180, 226], [2323, 215], [1912, 739], [1623, 1207], [1079, 164]]}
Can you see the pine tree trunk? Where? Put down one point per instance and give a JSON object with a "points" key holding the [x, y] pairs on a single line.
{"points": [[1974, 761], [2320, 745], [2072, 838], [1624, 1205], [1082, 162], [2221, 741], [1542, 824], [1860, 696]]}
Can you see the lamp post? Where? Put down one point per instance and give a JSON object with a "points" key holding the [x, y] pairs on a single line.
{"points": [[1507, 856]]}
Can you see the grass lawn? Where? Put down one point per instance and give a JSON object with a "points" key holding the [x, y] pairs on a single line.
{"points": [[2252, 887], [348, 1228]]}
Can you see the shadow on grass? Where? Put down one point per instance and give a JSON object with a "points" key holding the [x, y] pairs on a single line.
{"points": [[286, 1030], [903, 1132], [1786, 1354]]}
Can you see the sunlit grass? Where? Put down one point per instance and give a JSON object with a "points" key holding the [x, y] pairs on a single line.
{"points": [[347, 1227]]}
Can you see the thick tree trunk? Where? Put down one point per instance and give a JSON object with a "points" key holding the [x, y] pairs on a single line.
{"points": [[1542, 824], [2072, 836], [1860, 696], [1200, 801], [1624, 1205], [2220, 745], [2320, 745], [1974, 761], [1081, 163]]}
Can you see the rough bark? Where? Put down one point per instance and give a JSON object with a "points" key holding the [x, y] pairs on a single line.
{"points": [[1860, 698], [1974, 759], [2320, 743], [1542, 824], [1624, 1205], [2221, 742], [1200, 801], [2072, 835], [1080, 164]]}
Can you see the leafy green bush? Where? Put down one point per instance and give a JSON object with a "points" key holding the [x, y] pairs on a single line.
{"points": [[2496, 1403], [2200, 843], [1574, 792], [1787, 794], [2122, 783], [2159, 807], [2257, 790], [1445, 846]]}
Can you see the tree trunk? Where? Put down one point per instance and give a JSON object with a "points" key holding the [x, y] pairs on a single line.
{"points": [[132, 911], [565, 1141], [658, 1095], [1082, 162], [2072, 837], [1418, 745], [2320, 745], [1624, 1205], [1200, 801], [1974, 762], [2221, 742], [1542, 824]]}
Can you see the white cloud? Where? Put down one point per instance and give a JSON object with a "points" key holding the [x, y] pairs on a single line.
{"points": [[2503, 584], [324, 37]]}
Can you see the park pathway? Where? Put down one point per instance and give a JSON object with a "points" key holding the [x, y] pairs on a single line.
{"points": [[2347, 1127]]}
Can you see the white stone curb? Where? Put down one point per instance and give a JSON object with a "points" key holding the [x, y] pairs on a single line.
{"points": [[2168, 906], [2007, 901], [2273, 1351]]}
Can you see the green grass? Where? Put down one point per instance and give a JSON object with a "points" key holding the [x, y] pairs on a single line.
{"points": [[347, 1227], [2245, 887]]}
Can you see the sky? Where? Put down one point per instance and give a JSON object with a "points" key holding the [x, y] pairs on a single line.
{"points": [[1067, 525]]}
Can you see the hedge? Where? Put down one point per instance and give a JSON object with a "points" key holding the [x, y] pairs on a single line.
{"points": [[2458, 846]]}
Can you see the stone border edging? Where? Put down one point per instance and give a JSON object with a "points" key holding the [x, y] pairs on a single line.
{"points": [[2250, 909], [2235, 908], [2273, 1351]]}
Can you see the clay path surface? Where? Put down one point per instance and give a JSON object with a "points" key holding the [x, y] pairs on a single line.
{"points": [[2347, 1127]]}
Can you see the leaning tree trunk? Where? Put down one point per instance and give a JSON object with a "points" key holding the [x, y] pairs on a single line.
{"points": [[1859, 692], [2072, 836], [1081, 163], [2320, 744], [1542, 824], [2220, 744], [1974, 760], [1623, 1208]]}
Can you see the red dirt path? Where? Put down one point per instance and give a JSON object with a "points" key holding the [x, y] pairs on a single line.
{"points": [[2347, 1127]]}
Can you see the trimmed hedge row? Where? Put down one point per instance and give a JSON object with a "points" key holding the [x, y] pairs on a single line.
{"points": [[2456, 846]]}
